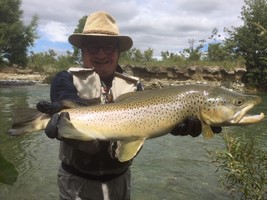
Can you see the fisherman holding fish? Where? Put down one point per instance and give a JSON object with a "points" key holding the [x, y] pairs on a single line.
{"points": [[89, 169], [98, 142]]}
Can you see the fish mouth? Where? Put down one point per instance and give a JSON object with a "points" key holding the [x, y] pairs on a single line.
{"points": [[242, 118]]}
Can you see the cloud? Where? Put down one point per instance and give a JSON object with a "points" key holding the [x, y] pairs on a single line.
{"points": [[158, 24], [55, 31]]}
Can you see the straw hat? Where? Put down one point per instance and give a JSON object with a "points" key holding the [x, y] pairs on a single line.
{"points": [[101, 24]]}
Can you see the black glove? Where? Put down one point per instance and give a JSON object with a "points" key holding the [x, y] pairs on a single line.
{"points": [[51, 129], [191, 126], [48, 107]]}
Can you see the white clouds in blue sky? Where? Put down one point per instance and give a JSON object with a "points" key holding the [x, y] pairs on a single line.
{"points": [[158, 24]]}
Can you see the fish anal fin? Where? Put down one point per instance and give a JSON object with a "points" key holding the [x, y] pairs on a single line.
{"points": [[207, 131], [67, 130], [126, 150]]}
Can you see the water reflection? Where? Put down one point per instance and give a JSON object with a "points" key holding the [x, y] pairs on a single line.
{"points": [[8, 172], [8, 100], [34, 156]]}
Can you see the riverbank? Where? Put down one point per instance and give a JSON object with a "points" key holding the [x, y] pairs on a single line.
{"points": [[158, 77], [151, 77], [20, 77]]}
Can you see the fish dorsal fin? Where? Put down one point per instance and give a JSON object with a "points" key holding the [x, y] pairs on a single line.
{"points": [[126, 150], [125, 96], [67, 130], [207, 131], [70, 104], [90, 102]]}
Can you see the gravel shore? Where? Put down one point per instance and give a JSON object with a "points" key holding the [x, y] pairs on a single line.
{"points": [[20, 78]]}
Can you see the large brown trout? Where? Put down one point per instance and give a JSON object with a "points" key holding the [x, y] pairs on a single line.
{"points": [[137, 116]]}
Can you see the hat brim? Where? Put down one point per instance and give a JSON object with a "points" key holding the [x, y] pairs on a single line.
{"points": [[125, 41]]}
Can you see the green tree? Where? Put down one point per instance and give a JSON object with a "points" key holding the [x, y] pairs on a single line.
{"points": [[216, 48], [249, 41], [43, 62], [165, 55], [126, 56], [193, 52], [137, 55], [15, 37], [215, 52], [174, 57], [148, 55]]}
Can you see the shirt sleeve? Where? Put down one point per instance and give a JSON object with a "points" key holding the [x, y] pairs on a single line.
{"points": [[62, 88]]}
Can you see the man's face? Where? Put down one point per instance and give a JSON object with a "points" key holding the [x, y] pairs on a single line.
{"points": [[101, 54]]}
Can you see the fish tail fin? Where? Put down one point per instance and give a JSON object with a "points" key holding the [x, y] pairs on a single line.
{"points": [[27, 120]]}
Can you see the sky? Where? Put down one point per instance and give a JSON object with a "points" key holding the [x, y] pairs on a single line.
{"points": [[163, 25]]}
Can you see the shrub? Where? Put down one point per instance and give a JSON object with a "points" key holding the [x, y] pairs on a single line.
{"points": [[244, 167]]}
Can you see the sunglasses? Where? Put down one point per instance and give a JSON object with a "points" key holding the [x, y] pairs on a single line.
{"points": [[108, 49]]}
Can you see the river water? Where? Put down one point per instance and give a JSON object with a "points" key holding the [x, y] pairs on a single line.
{"points": [[167, 168]]}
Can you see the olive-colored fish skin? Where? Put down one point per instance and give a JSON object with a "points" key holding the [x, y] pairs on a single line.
{"points": [[150, 113], [138, 116]]}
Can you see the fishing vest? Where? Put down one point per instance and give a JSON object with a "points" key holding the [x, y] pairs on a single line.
{"points": [[93, 158], [89, 86]]}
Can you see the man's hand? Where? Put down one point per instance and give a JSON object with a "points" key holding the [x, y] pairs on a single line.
{"points": [[49, 107], [51, 129], [191, 126]]}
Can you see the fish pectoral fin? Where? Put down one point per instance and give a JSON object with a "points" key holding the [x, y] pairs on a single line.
{"points": [[67, 130], [207, 131], [126, 150]]}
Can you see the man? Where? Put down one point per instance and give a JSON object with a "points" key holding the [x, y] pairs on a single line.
{"points": [[88, 169]]}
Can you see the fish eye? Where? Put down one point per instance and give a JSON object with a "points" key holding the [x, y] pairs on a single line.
{"points": [[238, 102]]}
